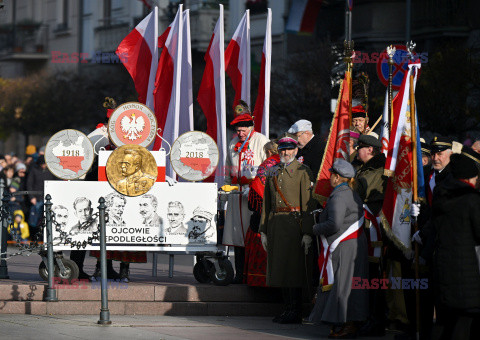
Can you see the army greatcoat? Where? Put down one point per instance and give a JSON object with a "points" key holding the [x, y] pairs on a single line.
{"points": [[371, 183], [286, 262]]}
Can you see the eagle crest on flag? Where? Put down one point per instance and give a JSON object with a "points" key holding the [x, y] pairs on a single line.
{"points": [[132, 127]]}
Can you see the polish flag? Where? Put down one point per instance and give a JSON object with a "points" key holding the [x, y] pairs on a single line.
{"points": [[103, 155], [262, 105], [303, 16], [139, 54], [385, 132], [237, 60], [399, 124], [173, 84], [211, 96], [395, 214]]}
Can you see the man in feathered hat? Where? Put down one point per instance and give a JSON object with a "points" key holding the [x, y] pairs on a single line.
{"points": [[360, 119], [245, 153]]}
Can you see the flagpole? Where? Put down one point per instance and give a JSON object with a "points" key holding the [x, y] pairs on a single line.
{"points": [[391, 52], [348, 49], [410, 47]]}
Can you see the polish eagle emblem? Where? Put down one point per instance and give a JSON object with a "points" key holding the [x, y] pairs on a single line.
{"points": [[132, 126]]}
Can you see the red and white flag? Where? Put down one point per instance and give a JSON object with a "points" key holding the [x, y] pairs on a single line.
{"points": [[173, 84], [396, 207], [338, 140], [303, 16], [159, 157], [262, 105], [400, 105], [139, 54], [237, 60], [211, 95], [385, 132]]}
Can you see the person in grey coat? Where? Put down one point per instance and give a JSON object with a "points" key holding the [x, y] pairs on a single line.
{"points": [[344, 256]]}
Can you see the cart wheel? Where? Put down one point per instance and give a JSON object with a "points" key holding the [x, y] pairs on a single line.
{"points": [[71, 270], [225, 276], [202, 270], [42, 270]]}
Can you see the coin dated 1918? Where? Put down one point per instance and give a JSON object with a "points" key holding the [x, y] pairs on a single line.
{"points": [[131, 170], [69, 154], [132, 123]]}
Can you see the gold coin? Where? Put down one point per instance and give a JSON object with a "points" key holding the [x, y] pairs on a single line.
{"points": [[131, 170]]}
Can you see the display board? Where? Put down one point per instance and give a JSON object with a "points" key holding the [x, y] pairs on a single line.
{"points": [[166, 218]]}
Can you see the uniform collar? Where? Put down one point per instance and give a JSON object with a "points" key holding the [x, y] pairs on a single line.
{"points": [[291, 168]]}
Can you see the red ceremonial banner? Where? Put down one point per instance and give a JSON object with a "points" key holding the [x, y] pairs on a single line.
{"points": [[338, 140]]}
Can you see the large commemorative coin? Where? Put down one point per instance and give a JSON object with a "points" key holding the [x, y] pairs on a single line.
{"points": [[132, 123], [131, 170], [69, 154], [194, 156]]}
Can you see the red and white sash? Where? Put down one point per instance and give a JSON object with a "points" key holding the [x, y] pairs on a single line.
{"points": [[375, 236], [325, 257]]}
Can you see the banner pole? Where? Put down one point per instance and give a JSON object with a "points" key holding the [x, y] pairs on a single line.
{"points": [[413, 126], [391, 52]]}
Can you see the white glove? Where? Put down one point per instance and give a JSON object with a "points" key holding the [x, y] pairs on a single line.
{"points": [[264, 241], [171, 182], [245, 193], [415, 209], [306, 242], [416, 238]]}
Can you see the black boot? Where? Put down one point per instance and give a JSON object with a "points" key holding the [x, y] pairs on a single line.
{"points": [[287, 306], [111, 273], [78, 256], [124, 272], [239, 264], [294, 315]]}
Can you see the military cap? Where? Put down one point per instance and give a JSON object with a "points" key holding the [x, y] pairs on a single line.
{"points": [[462, 167], [425, 147], [201, 212], [287, 141], [343, 168], [440, 143], [369, 140]]}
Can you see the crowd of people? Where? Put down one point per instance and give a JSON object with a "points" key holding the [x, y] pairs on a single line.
{"points": [[25, 175], [319, 253], [283, 237]]}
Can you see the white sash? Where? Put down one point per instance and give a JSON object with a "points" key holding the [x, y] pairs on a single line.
{"points": [[328, 250]]}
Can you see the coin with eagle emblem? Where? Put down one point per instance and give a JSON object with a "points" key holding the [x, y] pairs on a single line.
{"points": [[132, 123]]}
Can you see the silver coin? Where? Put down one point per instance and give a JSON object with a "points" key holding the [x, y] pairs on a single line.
{"points": [[69, 154], [194, 156]]}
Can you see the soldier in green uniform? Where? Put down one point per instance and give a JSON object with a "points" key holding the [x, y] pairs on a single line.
{"points": [[286, 227]]}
